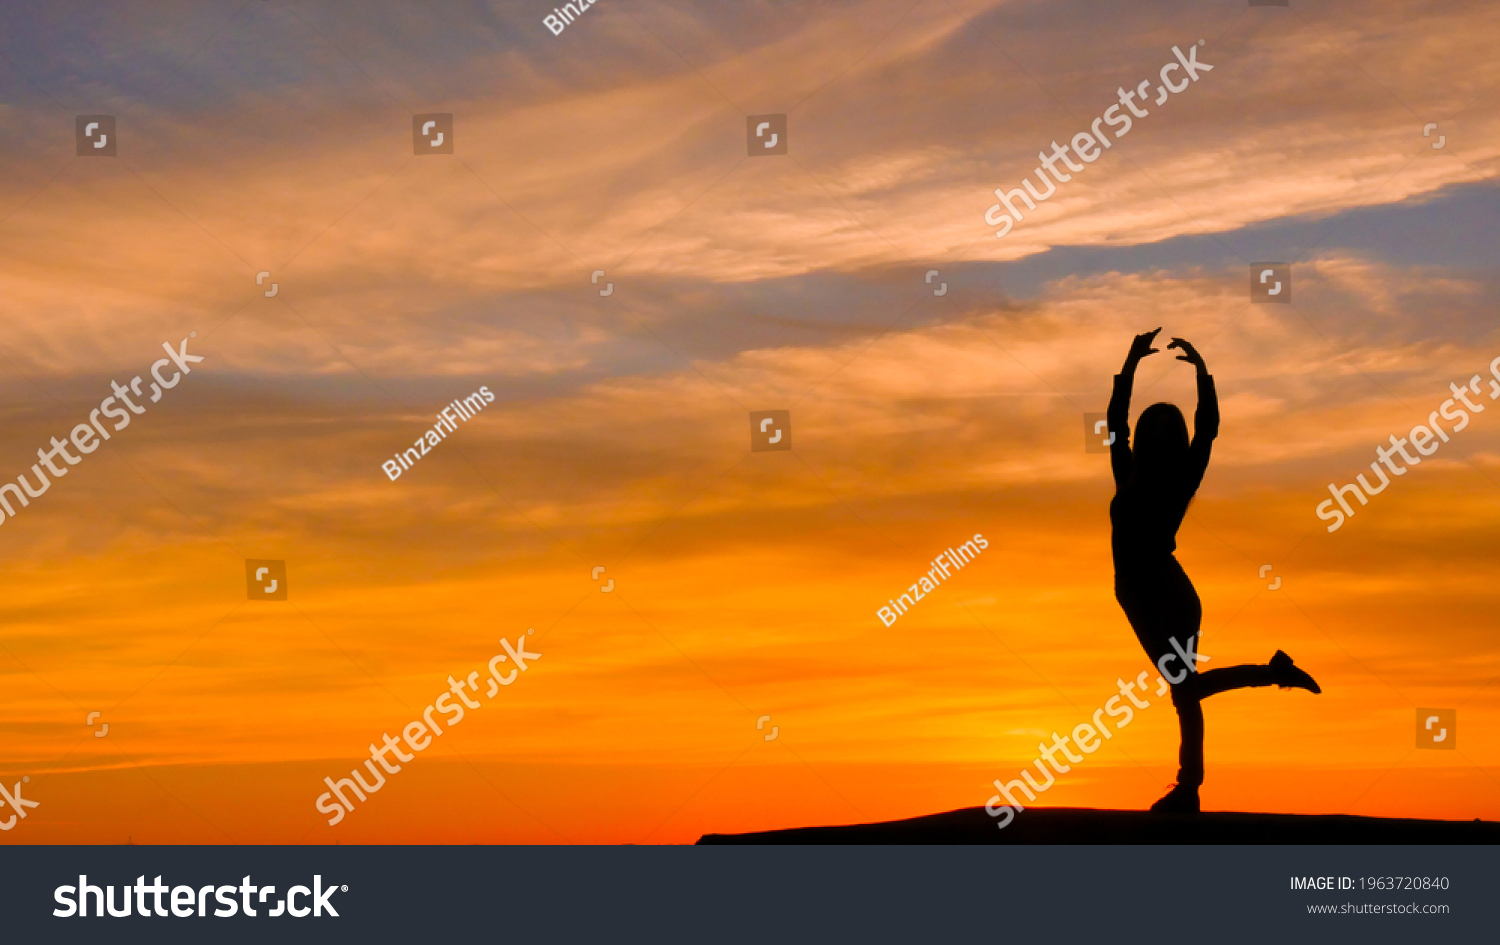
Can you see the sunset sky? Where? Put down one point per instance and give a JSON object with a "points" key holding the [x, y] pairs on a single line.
{"points": [[269, 136]]}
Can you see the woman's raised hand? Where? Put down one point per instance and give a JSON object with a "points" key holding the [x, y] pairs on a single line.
{"points": [[1141, 346], [1189, 354]]}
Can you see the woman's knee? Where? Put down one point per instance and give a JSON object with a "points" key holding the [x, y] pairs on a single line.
{"points": [[1186, 693]]}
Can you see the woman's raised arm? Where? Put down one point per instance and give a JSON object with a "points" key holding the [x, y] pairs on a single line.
{"points": [[1205, 420], [1118, 416]]}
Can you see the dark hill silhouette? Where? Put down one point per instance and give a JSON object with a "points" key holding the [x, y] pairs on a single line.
{"points": [[1090, 825]]}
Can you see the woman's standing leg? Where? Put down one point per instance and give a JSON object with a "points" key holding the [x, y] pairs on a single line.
{"points": [[1185, 622], [1190, 726], [1188, 612], [1161, 605]]}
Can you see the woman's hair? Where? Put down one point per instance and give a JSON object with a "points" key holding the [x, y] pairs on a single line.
{"points": [[1161, 444]]}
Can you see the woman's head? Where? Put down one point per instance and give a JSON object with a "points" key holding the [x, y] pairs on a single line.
{"points": [[1161, 442]]}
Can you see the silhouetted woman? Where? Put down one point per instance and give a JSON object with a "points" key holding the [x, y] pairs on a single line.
{"points": [[1153, 485]]}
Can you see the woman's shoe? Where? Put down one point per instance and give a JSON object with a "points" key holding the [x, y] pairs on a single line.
{"points": [[1182, 799], [1288, 676]]}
